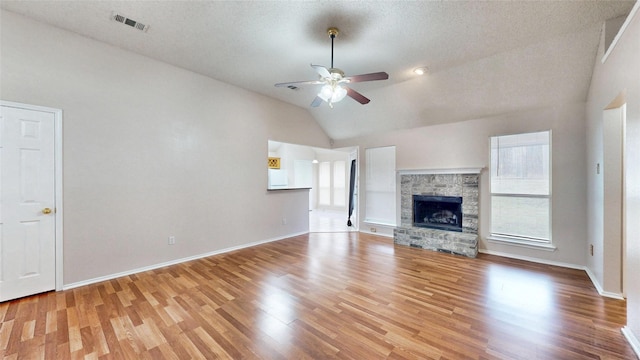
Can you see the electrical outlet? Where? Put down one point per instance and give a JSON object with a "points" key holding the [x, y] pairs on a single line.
{"points": [[172, 240], [284, 221], [374, 230], [598, 168], [591, 249]]}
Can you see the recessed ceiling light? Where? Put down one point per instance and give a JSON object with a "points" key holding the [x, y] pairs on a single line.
{"points": [[421, 70]]}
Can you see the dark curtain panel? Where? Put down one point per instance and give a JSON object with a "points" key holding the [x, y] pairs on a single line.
{"points": [[352, 184]]}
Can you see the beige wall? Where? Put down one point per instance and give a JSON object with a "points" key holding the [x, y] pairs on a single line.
{"points": [[620, 74], [151, 150]]}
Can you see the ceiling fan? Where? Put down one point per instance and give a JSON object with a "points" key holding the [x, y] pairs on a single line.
{"points": [[333, 81]]}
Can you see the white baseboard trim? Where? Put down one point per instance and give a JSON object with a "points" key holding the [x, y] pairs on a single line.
{"points": [[174, 262], [531, 259], [601, 291], [594, 280], [377, 233], [632, 339], [592, 277]]}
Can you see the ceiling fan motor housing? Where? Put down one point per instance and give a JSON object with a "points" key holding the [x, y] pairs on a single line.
{"points": [[336, 74]]}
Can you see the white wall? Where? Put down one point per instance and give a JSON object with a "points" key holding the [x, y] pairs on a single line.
{"points": [[151, 150], [618, 77], [466, 144]]}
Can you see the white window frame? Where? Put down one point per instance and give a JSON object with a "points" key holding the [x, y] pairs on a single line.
{"points": [[525, 241]]}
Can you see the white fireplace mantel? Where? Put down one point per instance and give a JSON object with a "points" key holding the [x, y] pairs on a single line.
{"points": [[475, 170]]}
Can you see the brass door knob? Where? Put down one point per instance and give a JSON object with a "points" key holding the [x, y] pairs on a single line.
{"points": [[46, 211]]}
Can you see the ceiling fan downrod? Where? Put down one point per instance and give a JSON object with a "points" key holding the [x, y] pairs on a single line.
{"points": [[333, 32]]}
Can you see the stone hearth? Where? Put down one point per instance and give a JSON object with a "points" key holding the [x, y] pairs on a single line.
{"points": [[452, 182]]}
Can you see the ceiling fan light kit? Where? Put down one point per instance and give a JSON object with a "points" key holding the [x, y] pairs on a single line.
{"points": [[333, 81], [332, 94]]}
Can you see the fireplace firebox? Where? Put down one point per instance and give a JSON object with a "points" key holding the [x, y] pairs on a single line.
{"points": [[437, 212]]}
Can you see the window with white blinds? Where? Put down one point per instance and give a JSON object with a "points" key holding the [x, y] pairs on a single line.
{"points": [[339, 183], [521, 188], [324, 183], [380, 189]]}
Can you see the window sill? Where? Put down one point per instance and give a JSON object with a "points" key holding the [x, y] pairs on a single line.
{"points": [[522, 243]]}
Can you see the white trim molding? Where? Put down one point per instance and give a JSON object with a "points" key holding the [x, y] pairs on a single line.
{"points": [[174, 262], [624, 26], [472, 170], [598, 287], [632, 339], [385, 230], [531, 259], [592, 277], [376, 233]]}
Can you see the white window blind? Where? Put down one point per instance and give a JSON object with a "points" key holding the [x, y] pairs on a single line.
{"points": [[339, 182], [521, 188], [324, 183], [380, 185]]}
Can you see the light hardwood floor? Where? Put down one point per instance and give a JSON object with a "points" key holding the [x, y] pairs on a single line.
{"points": [[320, 296], [329, 221]]}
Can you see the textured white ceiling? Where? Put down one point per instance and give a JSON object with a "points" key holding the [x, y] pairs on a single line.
{"points": [[485, 57]]}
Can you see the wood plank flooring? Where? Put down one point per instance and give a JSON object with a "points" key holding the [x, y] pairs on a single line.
{"points": [[321, 296]]}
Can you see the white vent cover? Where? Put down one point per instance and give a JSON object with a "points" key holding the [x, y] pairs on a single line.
{"points": [[127, 21]]}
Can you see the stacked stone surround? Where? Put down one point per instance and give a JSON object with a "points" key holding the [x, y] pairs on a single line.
{"points": [[464, 185]]}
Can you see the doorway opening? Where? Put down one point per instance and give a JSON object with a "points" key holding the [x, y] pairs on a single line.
{"points": [[614, 210], [333, 204]]}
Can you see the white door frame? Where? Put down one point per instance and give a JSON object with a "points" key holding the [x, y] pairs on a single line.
{"points": [[57, 114]]}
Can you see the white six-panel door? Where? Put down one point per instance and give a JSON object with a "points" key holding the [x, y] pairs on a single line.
{"points": [[27, 202]]}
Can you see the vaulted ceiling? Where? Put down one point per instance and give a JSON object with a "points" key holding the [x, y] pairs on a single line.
{"points": [[484, 57]]}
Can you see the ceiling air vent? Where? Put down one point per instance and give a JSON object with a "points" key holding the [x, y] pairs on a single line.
{"points": [[125, 20]]}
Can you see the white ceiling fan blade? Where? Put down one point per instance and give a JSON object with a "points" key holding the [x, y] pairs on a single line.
{"points": [[322, 71], [316, 102], [296, 83]]}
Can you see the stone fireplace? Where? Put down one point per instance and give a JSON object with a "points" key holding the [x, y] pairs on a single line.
{"points": [[439, 210]]}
